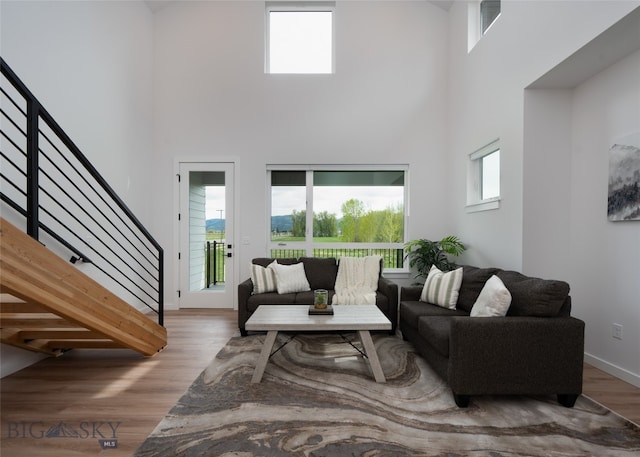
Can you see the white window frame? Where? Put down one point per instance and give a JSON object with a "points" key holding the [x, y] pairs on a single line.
{"points": [[308, 244], [475, 202], [474, 23], [311, 6]]}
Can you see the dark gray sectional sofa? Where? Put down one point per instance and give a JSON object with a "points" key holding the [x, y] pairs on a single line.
{"points": [[321, 274], [536, 349]]}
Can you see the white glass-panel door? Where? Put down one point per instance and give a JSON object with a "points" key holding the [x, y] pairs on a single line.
{"points": [[206, 235]]}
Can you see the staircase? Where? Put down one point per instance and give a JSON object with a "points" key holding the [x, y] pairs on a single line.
{"points": [[47, 186], [62, 308]]}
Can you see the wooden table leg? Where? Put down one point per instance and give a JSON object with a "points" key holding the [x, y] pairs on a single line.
{"points": [[265, 354], [372, 355]]}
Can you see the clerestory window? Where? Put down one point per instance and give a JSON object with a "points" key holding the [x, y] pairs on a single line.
{"points": [[482, 14], [489, 12], [299, 38]]}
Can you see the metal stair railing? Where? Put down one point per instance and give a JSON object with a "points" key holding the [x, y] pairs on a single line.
{"points": [[67, 204]]}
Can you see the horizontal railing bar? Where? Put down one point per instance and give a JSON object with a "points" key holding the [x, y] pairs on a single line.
{"points": [[66, 209], [65, 243], [82, 208], [98, 266], [13, 164], [15, 186], [94, 235], [15, 145], [94, 190], [52, 233], [393, 256], [79, 253], [53, 125], [13, 102], [13, 204], [18, 128]]}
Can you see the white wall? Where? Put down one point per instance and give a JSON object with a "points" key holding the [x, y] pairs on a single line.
{"points": [[90, 65], [384, 105], [605, 256], [568, 133], [547, 142], [552, 222], [486, 98]]}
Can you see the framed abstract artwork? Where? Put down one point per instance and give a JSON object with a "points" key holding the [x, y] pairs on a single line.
{"points": [[624, 179]]}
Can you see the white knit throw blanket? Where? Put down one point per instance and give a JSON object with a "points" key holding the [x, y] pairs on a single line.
{"points": [[357, 281]]}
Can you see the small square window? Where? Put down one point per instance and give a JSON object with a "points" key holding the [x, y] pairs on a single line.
{"points": [[299, 40]]}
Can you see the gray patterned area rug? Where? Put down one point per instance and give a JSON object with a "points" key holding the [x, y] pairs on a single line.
{"points": [[318, 398]]}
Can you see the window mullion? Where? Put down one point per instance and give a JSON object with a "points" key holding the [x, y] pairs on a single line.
{"points": [[309, 214]]}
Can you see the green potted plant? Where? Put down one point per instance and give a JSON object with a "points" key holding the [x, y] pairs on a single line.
{"points": [[422, 254]]}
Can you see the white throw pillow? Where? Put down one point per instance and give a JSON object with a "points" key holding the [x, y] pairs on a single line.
{"points": [[494, 299], [290, 278], [442, 288], [264, 279]]}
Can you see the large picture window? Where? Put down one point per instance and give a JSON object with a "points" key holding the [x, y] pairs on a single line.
{"points": [[338, 212]]}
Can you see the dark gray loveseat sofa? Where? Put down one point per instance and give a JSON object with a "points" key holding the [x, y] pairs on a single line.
{"points": [[536, 349], [321, 274]]}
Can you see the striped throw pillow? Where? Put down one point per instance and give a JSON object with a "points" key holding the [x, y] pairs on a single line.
{"points": [[264, 279], [442, 288]]}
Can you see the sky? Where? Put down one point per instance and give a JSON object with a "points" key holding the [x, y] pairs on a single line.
{"points": [[300, 42], [215, 202], [330, 199]]}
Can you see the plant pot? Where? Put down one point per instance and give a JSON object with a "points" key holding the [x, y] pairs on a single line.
{"points": [[320, 298]]}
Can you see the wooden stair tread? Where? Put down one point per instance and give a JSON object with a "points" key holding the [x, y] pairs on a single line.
{"points": [[54, 341], [49, 333], [11, 337], [84, 344], [70, 298], [36, 320], [20, 307]]}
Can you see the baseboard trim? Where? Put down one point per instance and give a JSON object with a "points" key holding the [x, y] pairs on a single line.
{"points": [[613, 370], [170, 306]]}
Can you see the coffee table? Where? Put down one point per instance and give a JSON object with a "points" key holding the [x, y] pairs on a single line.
{"points": [[282, 318]]}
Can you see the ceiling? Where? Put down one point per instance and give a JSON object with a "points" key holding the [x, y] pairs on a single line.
{"points": [[157, 5]]}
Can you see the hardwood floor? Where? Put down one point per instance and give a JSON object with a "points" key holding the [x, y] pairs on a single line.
{"points": [[617, 395], [118, 394], [96, 391]]}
